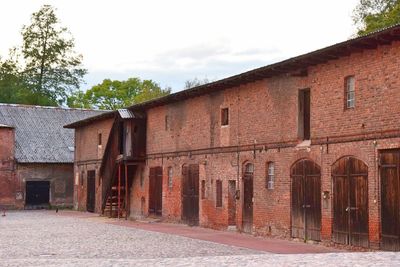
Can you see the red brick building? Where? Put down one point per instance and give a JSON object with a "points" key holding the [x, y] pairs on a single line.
{"points": [[36, 155], [307, 148]]}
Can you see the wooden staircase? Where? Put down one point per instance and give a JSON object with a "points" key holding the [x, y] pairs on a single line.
{"points": [[115, 201]]}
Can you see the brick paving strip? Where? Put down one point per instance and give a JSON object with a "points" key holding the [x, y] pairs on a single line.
{"points": [[222, 237]]}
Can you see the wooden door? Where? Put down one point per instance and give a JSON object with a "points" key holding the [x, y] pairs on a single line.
{"points": [[190, 194], [350, 202], [247, 213], [306, 200], [390, 199], [91, 191], [37, 193], [155, 191], [232, 203]]}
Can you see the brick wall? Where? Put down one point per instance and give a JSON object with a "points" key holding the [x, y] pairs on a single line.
{"points": [[88, 155], [266, 112], [8, 182]]}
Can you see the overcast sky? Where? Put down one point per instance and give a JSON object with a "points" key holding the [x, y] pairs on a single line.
{"points": [[173, 41]]}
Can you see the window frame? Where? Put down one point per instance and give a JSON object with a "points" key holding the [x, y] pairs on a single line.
{"points": [[170, 177], [99, 139], [270, 179], [225, 116], [203, 189], [349, 92], [218, 193]]}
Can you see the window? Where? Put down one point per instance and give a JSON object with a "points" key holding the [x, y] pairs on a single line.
{"points": [[99, 139], [224, 116], [218, 200], [304, 115], [167, 126], [270, 175], [249, 168], [203, 189], [82, 177], [350, 94], [170, 177]]}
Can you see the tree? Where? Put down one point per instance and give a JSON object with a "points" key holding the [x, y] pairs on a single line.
{"points": [[52, 68], [196, 82], [115, 94], [373, 15]]}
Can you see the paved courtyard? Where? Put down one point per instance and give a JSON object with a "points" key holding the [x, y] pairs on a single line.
{"points": [[42, 238]]}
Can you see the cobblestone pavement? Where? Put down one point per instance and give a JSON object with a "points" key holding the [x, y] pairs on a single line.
{"points": [[36, 238]]}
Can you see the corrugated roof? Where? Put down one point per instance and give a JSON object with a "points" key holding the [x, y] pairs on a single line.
{"points": [[39, 133], [126, 114]]}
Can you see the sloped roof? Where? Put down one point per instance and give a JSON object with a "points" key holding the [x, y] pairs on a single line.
{"points": [[39, 133], [297, 66]]}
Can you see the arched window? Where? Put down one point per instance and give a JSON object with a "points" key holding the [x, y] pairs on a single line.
{"points": [[249, 168], [270, 175]]}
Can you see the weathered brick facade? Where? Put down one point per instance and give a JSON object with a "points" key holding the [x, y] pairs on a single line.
{"points": [[88, 155], [264, 127], [36, 156]]}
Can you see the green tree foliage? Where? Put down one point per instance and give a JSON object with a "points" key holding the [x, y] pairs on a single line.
{"points": [[112, 95], [52, 68], [373, 15]]}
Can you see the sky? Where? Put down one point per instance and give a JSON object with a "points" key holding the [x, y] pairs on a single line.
{"points": [[177, 40]]}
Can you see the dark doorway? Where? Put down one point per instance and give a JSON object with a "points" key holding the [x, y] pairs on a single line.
{"points": [[155, 191], [190, 194], [304, 130], [91, 191], [306, 200], [37, 193], [232, 203], [247, 220], [390, 199], [350, 202]]}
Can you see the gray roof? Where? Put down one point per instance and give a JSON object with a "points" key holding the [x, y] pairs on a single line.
{"points": [[39, 133]]}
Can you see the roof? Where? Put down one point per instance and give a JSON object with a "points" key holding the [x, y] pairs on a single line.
{"points": [[126, 114], [102, 116], [296, 65], [39, 133]]}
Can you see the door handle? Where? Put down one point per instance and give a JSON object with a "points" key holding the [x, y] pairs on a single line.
{"points": [[351, 208], [306, 206]]}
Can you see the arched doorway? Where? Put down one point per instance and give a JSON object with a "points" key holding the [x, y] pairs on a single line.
{"points": [[247, 218], [306, 200], [350, 201]]}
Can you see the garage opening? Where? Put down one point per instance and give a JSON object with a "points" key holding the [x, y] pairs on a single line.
{"points": [[37, 194]]}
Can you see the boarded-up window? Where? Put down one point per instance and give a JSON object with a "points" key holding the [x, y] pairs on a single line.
{"points": [[270, 175], [218, 200], [224, 116], [170, 177], [203, 189], [350, 92]]}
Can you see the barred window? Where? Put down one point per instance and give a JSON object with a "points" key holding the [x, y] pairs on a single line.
{"points": [[270, 175], [350, 92]]}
